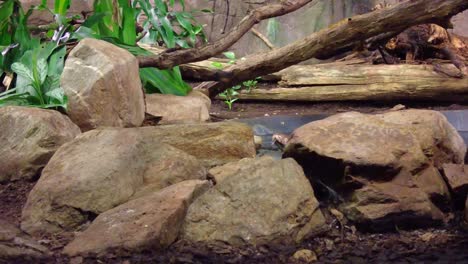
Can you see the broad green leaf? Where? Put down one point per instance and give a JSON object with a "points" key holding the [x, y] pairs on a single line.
{"points": [[42, 69], [57, 61], [22, 70]]}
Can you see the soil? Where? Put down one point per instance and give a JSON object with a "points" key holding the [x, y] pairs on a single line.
{"points": [[220, 111], [447, 244]]}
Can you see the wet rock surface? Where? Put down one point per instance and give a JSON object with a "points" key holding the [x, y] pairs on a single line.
{"points": [[383, 167], [150, 222], [174, 109], [254, 202], [29, 137], [99, 170], [103, 88]]}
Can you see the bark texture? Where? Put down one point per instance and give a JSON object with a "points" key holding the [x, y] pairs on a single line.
{"points": [[364, 82], [341, 36]]}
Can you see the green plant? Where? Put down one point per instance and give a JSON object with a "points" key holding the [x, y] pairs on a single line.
{"points": [[162, 24], [37, 66], [230, 95], [115, 21], [250, 84]]}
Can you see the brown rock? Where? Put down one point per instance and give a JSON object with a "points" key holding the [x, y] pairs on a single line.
{"points": [[99, 170], [211, 143], [150, 222], [381, 164], [305, 256], [257, 201], [431, 182], [103, 86], [192, 108], [16, 247], [457, 179], [29, 137], [439, 140]]}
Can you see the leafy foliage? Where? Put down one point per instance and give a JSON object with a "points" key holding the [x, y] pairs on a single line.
{"points": [[37, 67], [163, 25]]}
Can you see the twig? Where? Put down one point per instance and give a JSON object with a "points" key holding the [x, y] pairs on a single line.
{"points": [[263, 38]]}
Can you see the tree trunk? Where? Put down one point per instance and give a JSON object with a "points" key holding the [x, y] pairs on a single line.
{"points": [[318, 83], [341, 36]]}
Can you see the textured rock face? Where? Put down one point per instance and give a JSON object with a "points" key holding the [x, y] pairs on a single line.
{"points": [[29, 137], [99, 170], [384, 166], [457, 179], [16, 247], [255, 201], [212, 143], [103, 87], [192, 108], [150, 222]]}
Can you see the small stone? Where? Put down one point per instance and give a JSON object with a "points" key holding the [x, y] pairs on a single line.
{"points": [[398, 107], [305, 256]]}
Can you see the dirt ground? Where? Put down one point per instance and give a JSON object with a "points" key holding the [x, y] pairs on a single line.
{"points": [[449, 244], [241, 109]]}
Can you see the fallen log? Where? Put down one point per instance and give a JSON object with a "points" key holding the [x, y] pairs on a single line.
{"points": [[342, 36], [318, 83]]}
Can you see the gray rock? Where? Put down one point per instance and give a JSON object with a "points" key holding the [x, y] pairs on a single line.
{"points": [[150, 222], [100, 170], [16, 246], [103, 86], [255, 201], [29, 137], [173, 109], [382, 165]]}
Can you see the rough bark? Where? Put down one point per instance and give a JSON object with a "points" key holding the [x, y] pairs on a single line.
{"points": [[171, 57], [341, 36], [364, 82]]}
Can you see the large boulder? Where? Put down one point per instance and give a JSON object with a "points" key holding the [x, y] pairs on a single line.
{"points": [[100, 170], [148, 223], [173, 109], [17, 247], [255, 201], [212, 143], [384, 166], [29, 137], [103, 86]]}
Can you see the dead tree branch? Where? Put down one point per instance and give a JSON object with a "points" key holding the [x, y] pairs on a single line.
{"points": [[342, 36], [171, 58]]}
